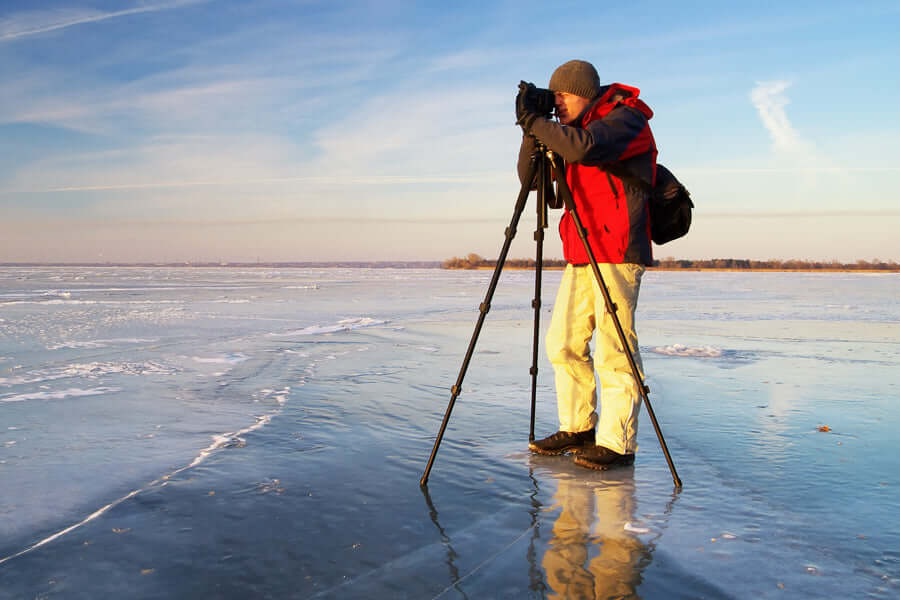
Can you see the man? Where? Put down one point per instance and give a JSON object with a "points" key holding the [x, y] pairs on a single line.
{"points": [[601, 131]]}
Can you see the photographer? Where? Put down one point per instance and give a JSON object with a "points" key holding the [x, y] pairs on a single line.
{"points": [[602, 131]]}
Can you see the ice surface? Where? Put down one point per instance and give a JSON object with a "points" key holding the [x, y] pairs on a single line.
{"points": [[261, 433]]}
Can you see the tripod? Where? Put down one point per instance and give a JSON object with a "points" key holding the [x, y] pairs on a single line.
{"points": [[541, 163]]}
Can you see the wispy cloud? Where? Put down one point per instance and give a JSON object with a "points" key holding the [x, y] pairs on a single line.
{"points": [[331, 181], [770, 101], [43, 21]]}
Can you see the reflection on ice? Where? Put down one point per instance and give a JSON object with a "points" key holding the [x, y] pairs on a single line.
{"points": [[593, 552], [263, 432]]}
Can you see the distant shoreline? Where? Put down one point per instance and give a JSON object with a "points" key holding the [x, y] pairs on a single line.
{"points": [[423, 264], [481, 265], [474, 261]]}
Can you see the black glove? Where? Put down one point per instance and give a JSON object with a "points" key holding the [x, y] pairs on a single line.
{"points": [[526, 106]]}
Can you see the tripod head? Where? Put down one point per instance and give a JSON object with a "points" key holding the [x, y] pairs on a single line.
{"points": [[542, 168], [548, 169]]}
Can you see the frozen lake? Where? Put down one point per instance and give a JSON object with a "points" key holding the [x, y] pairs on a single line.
{"points": [[260, 433]]}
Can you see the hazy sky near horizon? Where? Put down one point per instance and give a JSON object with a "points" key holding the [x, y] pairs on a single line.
{"points": [[205, 130]]}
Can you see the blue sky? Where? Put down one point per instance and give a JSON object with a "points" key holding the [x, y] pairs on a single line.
{"points": [[204, 130]]}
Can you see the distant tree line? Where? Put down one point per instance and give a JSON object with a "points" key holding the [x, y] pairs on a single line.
{"points": [[776, 265], [474, 261]]}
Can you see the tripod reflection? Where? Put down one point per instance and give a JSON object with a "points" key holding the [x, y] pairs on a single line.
{"points": [[575, 537], [451, 554]]}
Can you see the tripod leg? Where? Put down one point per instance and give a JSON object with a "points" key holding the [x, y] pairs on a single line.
{"points": [[611, 309], [484, 307], [540, 226]]}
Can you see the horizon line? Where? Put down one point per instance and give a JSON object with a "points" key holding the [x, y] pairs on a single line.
{"points": [[425, 263]]}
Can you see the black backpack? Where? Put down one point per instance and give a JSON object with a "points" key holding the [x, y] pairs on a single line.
{"points": [[670, 205], [669, 202]]}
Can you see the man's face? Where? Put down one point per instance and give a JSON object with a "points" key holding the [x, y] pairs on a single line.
{"points": [[569, 106]]}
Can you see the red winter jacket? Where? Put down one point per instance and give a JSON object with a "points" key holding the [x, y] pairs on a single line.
{"points": [[613, 132]]}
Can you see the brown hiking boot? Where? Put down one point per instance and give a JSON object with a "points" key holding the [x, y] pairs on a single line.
{"points": [[600, 458], [562, 442]]}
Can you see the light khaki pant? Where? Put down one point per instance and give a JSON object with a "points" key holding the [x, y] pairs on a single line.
{"points": [[579, 311]]}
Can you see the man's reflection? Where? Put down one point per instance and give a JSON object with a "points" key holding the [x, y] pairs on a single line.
{"points": [[592, 552]]}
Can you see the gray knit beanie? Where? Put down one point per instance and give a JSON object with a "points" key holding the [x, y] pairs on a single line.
{"points": [[576, 77]]}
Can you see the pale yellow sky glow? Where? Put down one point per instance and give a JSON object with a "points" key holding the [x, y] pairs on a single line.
{"points": [[349, 132]]}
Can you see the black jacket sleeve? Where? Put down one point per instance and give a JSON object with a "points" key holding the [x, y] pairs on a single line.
{"points": [[603, 141]]}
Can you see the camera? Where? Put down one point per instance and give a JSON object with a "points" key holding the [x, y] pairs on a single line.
{"points": [[537, 99]]}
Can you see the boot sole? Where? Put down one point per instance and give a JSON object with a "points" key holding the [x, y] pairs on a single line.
{"points": [[583, 462], [558, 452]]}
